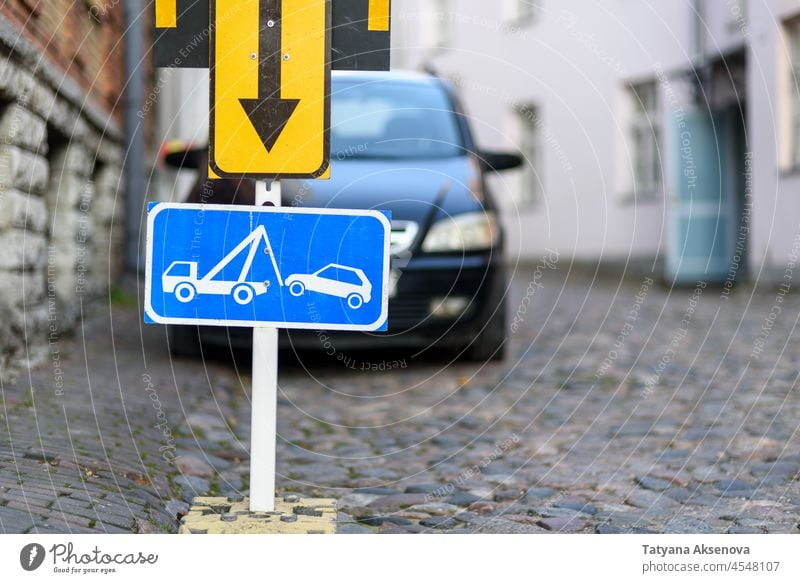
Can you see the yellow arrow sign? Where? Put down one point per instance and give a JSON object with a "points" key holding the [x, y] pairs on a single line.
{"points": [[166, 13], [270, 88]]}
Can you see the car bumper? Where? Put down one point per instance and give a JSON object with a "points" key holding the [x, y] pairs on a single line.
{"points": [[441, 301], [437, 301]]}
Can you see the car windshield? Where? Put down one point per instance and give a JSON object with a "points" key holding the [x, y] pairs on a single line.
{"points": [[373, 119], [179, 270], [338, 274]]}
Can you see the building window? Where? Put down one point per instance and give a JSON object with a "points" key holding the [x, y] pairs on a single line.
{"points": [[522, 12], [793, 35], [645, 140], [527, 11], [738, 20], [530, 146], [441, 18]]}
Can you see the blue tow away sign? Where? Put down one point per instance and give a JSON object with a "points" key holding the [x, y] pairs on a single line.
{"points": [[221, 265]]}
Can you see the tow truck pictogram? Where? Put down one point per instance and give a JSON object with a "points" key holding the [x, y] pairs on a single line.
{"points": [[181, 277]]}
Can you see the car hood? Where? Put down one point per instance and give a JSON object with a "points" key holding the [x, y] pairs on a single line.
{"points": [[411, 189]]}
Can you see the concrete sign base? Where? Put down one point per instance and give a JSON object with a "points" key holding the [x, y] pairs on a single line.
{"points": [[293, 515]]}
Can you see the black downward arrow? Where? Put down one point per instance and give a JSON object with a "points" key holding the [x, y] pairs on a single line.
{"points": [[268, 113]]}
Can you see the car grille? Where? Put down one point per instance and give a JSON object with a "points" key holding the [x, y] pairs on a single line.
{"points": [[404, 235]]}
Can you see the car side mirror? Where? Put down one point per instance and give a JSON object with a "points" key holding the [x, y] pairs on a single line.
{"points": [[499, 161], [183, 155]]}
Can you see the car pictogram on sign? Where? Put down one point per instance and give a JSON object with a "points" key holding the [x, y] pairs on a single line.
{"points": [[334, 280]]}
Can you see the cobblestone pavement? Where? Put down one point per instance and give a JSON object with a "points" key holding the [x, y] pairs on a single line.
{"points": [[622, 408]]}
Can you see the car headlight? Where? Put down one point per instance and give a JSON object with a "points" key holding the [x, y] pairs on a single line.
{"points": [[467, 232]]}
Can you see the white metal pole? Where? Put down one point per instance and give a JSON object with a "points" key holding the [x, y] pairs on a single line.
{"points": [[264, 399]]}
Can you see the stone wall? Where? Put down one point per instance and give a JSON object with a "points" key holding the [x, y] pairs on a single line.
{"points": [[60, 219]]}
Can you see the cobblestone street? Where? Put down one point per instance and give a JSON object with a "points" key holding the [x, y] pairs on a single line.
{"points": [[621, 408]]}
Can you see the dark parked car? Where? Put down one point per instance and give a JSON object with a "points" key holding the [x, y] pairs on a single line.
{"points": [[401, 142]]}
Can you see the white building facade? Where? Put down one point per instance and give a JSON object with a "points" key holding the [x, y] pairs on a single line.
{"points": [[657, 133]]}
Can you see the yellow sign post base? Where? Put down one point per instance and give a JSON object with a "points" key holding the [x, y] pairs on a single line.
{"points": [[293, 515]]}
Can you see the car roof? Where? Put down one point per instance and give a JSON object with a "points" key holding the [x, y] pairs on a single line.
{"points": [[336, 265], [401, 76]]}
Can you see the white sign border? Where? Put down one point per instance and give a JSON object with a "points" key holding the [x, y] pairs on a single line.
{"points": [[162, 206]]}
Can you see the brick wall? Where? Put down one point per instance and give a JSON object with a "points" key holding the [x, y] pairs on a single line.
{"points": [[82, 37], [61, 151]]}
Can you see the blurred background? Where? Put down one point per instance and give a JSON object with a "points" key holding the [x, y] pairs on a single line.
{"points": [[663, 134], [661, 146], [662, 137]]}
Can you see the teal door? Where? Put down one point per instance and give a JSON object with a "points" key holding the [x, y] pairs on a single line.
{"points": [[703, 209]]}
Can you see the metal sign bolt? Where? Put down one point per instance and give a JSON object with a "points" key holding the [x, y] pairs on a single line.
{"points": [[270, 23]]}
